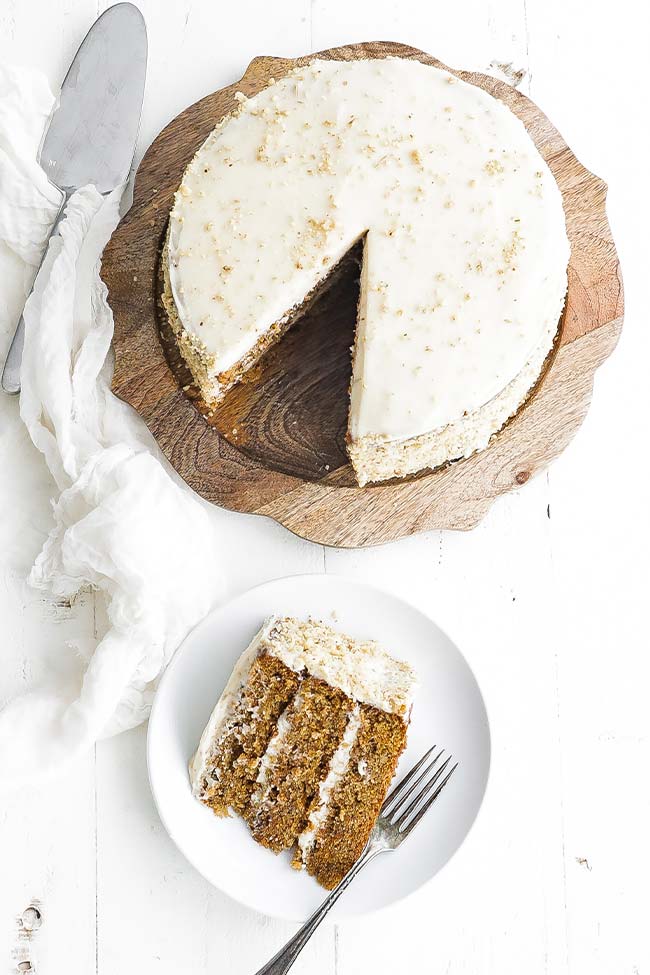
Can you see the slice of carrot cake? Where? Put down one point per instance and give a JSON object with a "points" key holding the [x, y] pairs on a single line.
{"points": [[304, 741]]}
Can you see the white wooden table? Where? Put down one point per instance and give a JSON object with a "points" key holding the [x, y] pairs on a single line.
{"points": [[548, 597]]}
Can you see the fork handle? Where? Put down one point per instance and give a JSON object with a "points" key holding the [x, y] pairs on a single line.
{"points": [[11, 371], [284, 959]]}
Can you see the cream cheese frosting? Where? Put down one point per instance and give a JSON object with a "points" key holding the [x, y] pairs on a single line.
{"points": [[363, 670], [465, 253]]}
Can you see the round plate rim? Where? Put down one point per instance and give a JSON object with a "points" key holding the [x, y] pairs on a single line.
{"points": [[327, 578]]}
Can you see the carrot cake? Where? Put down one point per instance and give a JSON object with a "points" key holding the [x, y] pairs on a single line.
{"points": [[304, 741], [465, 252]]}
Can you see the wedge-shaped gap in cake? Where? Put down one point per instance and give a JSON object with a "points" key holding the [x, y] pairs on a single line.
{"points": [[290, 410]]}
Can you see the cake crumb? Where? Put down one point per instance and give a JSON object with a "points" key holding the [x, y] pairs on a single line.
{"points": [[493, 166]]}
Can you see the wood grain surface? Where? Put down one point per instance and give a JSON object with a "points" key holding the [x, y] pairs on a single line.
{"points": [[276, 444]]}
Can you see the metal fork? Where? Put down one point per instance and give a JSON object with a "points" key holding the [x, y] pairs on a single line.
{"points": [[399, 815]]}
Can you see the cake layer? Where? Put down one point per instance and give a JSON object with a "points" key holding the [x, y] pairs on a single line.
{"points": [[296, 760], [465, 256], [229, 776], [340, 823]]}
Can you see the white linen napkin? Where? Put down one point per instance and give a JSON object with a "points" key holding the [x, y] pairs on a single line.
{"points": [[123, 523]]}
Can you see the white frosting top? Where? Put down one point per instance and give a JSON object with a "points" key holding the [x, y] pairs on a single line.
{"points": [[363, 670], [466, 249]]}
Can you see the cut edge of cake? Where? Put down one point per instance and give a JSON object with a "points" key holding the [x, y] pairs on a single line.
{"points": [[375, 458], [213, 387], [309, 753]]}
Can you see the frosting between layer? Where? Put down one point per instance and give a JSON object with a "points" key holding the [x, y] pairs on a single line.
{"points": [[338, 766]]}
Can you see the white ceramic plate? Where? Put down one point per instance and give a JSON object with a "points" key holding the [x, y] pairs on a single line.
{"points": [[448, 711]]}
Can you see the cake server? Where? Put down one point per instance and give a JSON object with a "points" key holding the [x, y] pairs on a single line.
{"points": [[92, 133]]}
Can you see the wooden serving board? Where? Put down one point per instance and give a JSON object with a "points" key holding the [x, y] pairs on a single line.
{"points": [[276, 446]]}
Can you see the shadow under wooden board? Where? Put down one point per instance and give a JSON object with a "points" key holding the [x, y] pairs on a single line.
{"points": [[276, 446]]}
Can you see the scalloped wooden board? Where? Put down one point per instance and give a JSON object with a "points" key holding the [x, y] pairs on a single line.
{"points": [[276, 445]]}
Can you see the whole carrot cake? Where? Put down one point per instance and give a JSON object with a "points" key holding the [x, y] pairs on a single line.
{"points": [[304, 741], [465, 252]]}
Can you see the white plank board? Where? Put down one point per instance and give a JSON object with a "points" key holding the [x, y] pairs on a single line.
{"points": [[549, 610], [600, 536], [47, 835]]}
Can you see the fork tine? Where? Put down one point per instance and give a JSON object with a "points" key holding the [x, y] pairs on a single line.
{"points": [[421, 794], [401, 799], [429, 802], [399, 788]]}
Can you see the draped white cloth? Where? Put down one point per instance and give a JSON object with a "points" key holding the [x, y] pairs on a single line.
{"points": [[123, 523]]}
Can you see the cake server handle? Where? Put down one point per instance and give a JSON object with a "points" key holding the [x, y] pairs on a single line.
{"points": [[285, 958], [11, 372]]}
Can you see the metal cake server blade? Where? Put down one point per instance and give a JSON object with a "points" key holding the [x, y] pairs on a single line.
{"points": [[92, 134]]}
